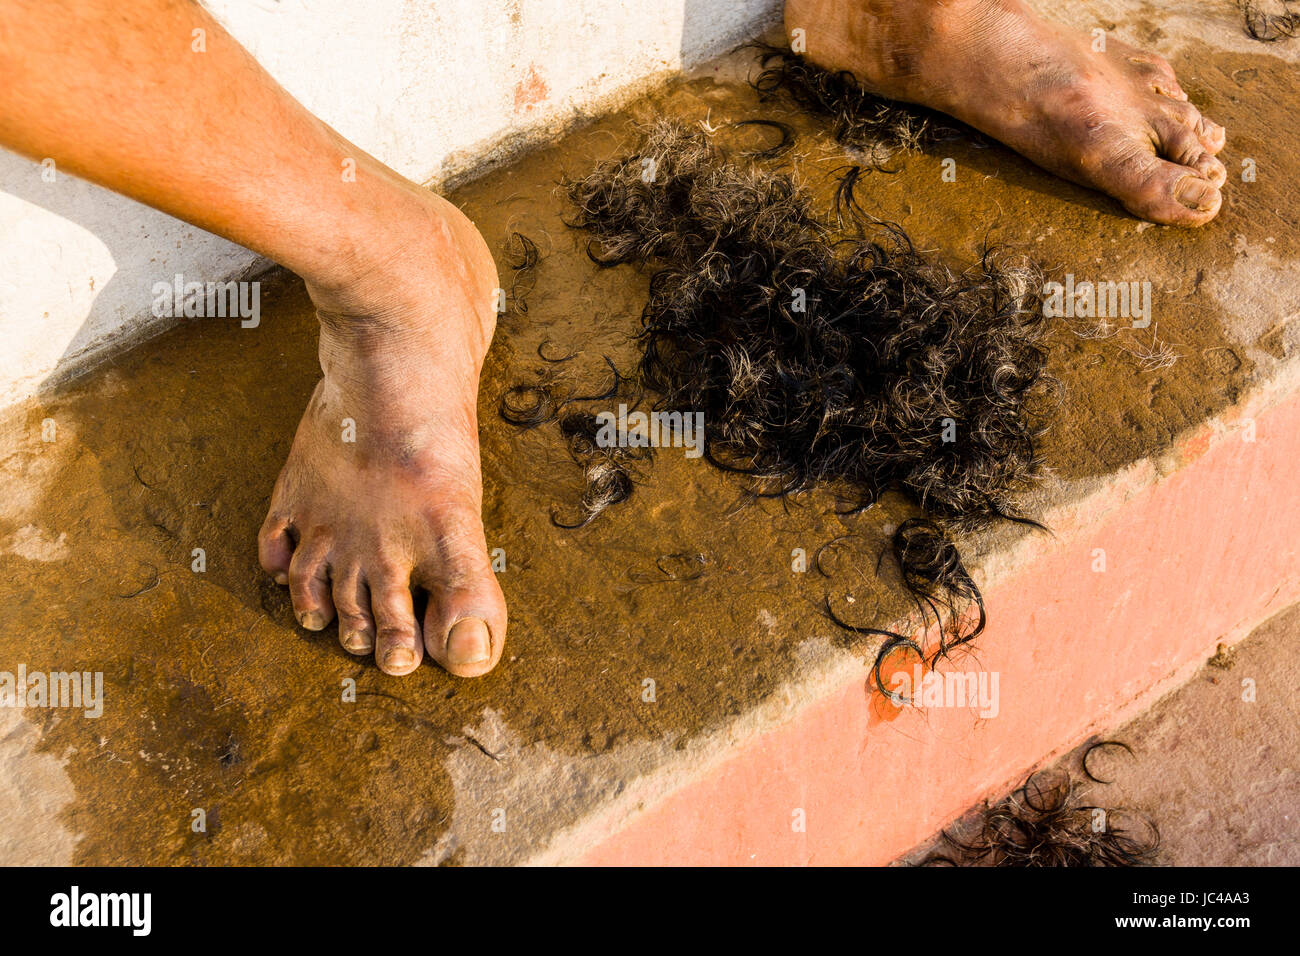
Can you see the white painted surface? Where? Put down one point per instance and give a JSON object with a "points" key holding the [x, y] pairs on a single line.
{"points": [[432, 87]]}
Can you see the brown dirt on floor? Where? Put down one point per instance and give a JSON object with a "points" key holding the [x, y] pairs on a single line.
{"points": [[215, 699]]}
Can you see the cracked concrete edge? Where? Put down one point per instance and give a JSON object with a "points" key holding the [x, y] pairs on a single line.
{"points": [[570, 844], [541, 784]]}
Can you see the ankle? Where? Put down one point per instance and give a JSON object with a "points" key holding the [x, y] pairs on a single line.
{"points": [[373, 243], [902, 49], [407, 273]]}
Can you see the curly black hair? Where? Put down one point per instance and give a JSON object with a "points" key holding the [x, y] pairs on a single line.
{"points": [[875, 127], [1269, 27], [1044, 824], [815, 357]]}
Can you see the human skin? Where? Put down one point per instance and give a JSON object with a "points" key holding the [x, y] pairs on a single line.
{"points": [[1114, 119], [402, 281]]}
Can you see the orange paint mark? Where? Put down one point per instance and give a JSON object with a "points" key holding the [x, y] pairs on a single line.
{"points": [[898, 672], [1195, 446], [531, 90]]}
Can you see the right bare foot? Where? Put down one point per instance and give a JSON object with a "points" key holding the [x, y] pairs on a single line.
{"points": [[1116, 121], [356, 524]]}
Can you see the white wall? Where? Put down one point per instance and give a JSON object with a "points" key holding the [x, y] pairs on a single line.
{"points": [[432, 87]]}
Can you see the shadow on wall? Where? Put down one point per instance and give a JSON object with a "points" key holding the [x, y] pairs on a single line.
{"points": [[711, 27], [117, 237]]}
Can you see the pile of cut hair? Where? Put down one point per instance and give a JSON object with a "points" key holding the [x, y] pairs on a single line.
{"points": [[820, 358], [821, 347], [1044, 823]]}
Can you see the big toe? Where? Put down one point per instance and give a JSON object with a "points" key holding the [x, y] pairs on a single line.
{"points": [[1166, 192], [465, 621]]}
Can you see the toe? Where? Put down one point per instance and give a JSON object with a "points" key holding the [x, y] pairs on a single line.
{"points": [[1168, 193], [1209, 133], [352, 602], [1212, 135], [309, 583], [465, 622], [275, 548], [1159, 74], [1180, 144], [464, 632], [397, 636]]}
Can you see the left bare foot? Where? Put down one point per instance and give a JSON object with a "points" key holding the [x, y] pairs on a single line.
{"points": [[357, 520]]}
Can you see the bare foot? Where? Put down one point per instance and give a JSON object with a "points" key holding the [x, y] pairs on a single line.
{"points": [[1116, 121], [363, 515]]}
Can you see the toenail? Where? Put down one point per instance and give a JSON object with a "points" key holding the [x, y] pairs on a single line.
{"points": [[313, 621], [399, 659], [468, 642], [358, 642], [1194, 193], [281, 578]]}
